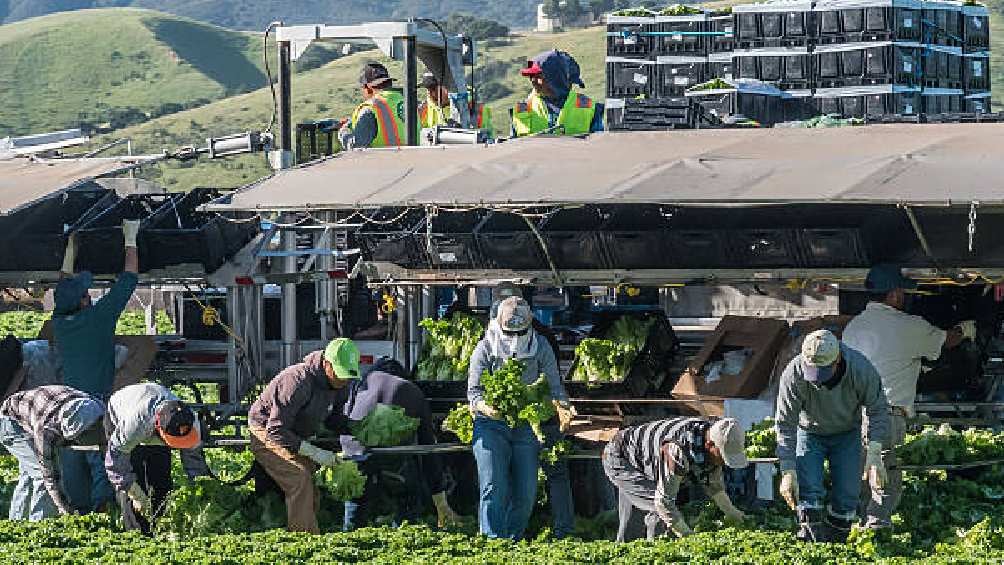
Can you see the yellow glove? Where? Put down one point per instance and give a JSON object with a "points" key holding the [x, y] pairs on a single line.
{"points": [[875, 470], [789, 488], [445, 516], [483, 408], [566, 413], [732, 513]]}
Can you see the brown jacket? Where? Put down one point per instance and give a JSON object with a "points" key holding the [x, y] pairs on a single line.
{"points": [[297, 401]]}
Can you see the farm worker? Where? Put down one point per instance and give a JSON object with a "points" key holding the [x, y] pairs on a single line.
{"points": [[820, 400], [648, 464], [144, 420], [895, 342], [558, 481], [85, 335], [34, 424], [439, 110], [422, 476], [553, 107], [507, 458], [291, 409], [379, 120], [26, 366]]}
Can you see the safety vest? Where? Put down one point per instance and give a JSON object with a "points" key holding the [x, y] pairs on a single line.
{"points": [[531, 117], [388, 106], [432, 115]]}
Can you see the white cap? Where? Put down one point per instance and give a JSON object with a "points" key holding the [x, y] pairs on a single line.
{"points": [[728, 437], [514, 315], [820, 350]]}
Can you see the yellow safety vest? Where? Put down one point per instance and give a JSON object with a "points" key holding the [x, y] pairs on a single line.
{"points": [[431, 115], [531, 117], [388, 106]]}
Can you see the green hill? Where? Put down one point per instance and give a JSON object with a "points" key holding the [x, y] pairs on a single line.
{"points": [[332, 91]]}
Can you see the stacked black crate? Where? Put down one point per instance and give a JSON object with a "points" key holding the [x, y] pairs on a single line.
{"points": [[740, 99], [681, 63], [975, 59], [721, 43], [630, 62], [774, 42]]}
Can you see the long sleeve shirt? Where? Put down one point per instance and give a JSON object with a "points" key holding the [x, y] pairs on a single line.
{"points": [[86, 339], [131, 421], [383, 388], [542, 363], [821, 410], [295, 403], [38, 412]]}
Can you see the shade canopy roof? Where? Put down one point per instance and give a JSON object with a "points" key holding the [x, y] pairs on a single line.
{"points": [[25, 181]]}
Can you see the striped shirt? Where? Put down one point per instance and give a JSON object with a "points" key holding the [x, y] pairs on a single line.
{"points": [[38, 411]]}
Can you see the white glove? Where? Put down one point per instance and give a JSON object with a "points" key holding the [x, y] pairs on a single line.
{"points": [[875, 470], [725, 505], [140, 501], [789, 488], [346, 137], [445, 516], [566, 413], [968, 328], [70, 255], [482, 407], [130, 229], [322, 457]]}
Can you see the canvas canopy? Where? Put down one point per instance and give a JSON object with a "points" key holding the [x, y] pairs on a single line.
{"points": [[903, 163], [24, 181]]}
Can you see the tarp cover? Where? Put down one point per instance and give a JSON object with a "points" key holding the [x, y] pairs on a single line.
{"points": [[23, 181], [902, 163]]}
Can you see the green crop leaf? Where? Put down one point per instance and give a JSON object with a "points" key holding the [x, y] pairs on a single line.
{"points": [[384, 426]]}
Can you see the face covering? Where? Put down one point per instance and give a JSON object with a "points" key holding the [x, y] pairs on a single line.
{"points": [[504, 346]]}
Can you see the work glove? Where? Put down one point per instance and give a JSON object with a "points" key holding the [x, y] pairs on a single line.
{"points": [[322, 457], [732, 513], [482, 407], [445, 516], [968, 329], [140, 501], [566, 413], [130, 229], [70, 255], [875, 471], [346, 136], [789, 488]]}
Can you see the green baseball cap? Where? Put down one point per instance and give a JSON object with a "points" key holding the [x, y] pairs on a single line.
{"points": [[343, 354]]}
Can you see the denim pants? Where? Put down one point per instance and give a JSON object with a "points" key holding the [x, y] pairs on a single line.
{"points": [[84, 480], [507, 476], [409, 493], [30, 498], [843, 452], [559, 486]]}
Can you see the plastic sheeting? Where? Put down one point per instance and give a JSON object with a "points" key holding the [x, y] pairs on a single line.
{"points": [[24, 181], [903, 163]]}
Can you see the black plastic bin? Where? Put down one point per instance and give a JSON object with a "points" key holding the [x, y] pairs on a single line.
{"points": [[888, 102], [872, 23], [858, 65], [674, 75], [764, 248], [976, 28], [941, 103], [976, 73], [650, 114], [942, 26], [722, 37], [630, 37], [788, 69], [628, 78], [682, 35], [666, 249], [775, 28], [34, 238], [832, 248]]}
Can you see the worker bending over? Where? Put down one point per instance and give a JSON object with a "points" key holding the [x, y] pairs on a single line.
{"points": [[379, 120], [423, 476], [507, 458], [553, 107], [895, 342], [34, 425], [86, 337], [289, 411], [822, 393], [439, 110], [144, 420], [648, 464]]}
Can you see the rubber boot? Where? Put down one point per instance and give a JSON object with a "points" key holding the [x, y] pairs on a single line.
{"points": [[839, 528], [811, 527]]}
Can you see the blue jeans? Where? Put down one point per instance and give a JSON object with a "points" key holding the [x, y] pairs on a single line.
{"points": [[843, 452], [559, 487], [408, 507], [85, 482], [30, 498], [507, 476]]}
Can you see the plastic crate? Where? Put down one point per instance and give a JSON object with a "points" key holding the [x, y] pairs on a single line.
{"points": [[649, 114], [765, 248], [941, 102], [865, 102], [674, 75], [720, 66], [682, 35], [666, 249], [789, 69], [797, 108], [942, 26], [976, 73], [630, 37], [872, 23], [833, 248], [976, 28], [978, 103], [941, 69], [628, 78], [759, 26], [838, 66], [767, 109], [722, 37]]}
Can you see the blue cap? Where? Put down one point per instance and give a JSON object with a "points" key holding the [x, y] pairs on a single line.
{"points": [[886, 278], [69, 291]]}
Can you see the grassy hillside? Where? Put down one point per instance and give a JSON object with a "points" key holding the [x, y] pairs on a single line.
{"points": [[332, 91], [115, 67]]}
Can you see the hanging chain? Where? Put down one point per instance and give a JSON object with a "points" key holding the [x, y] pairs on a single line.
{"points": [[430, 213], [972, 224]]}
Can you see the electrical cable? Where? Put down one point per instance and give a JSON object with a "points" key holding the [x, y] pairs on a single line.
{"points": [[268, 77]]}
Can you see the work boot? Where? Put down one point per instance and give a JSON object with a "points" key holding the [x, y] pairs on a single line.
{"points": [[838, 528], [810, 526]]}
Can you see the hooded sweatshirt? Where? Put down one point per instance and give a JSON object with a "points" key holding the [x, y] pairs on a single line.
{"points": [[295, 404], [561, 71]]}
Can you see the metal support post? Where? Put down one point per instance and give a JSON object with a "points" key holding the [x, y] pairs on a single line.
{"points": [[284, 157], [414, 306], [401, 327], [411, 90], [326, 298], [428, 309], [289, 338]]}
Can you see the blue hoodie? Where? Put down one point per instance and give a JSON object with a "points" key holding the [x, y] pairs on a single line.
{"points": [[561, 71]]}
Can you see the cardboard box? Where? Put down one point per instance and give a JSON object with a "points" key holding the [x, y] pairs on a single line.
{"points": [[761, 337]]}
